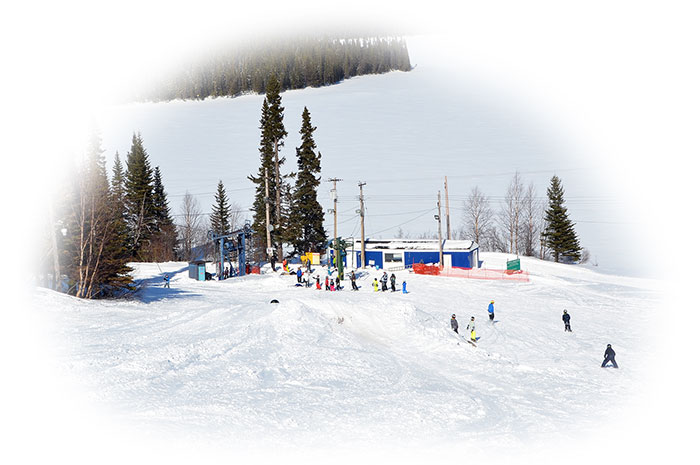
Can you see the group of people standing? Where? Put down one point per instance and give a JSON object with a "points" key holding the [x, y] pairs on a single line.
{"points": [[332, 284], [383, 280]]}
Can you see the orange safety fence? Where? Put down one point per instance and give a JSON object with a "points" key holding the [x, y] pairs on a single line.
{"points": [[472, 273]]}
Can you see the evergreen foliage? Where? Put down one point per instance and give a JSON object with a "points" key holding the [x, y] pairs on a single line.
{"points": [[297, 63], [559, 233], [272, 134], [220, 217], [164, 242], [139, 205], [95, 253], [306, 219]]}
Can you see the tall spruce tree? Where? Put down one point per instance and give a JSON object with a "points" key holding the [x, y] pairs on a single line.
{"points": [[306, 230], [220, 217], [138, 199], [97, 264], [164, 240], [271, 141], [559, 234]]}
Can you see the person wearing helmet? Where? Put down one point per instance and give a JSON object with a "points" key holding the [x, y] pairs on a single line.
{"points": [[491, 310], [471, 328], [567, 318], [609, 357], [454, 324]]}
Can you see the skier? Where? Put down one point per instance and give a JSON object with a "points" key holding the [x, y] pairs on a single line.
{"points": [[299, 275], [491, 315], [454, 324], [404, 288], [167, 281], [352, 280], [383, 280], [375, 284], [272, 262], [318, 283], [609, 357], [337, 283], [332, 286], [471, 328], [328, 287], [393, 282], [566, 317]]}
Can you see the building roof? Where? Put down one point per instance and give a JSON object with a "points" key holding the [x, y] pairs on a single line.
{"points": [[418, 244]]}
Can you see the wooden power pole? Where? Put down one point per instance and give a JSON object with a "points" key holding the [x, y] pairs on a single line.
{"points": [[362, 225], [335, 218], [438, 217], [267, 218], [447, 212]]}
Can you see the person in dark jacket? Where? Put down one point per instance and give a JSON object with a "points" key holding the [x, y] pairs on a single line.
{"points": [[567, 318], [352, 280], [454, 323], [393, 282], [609, 357], [383, 280], [337, 283]]}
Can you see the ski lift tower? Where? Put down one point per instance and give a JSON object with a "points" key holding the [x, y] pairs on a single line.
{"points": [[227, 246]]}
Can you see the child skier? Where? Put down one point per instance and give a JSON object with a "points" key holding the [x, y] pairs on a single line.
{"points": [[328, 287], [167, 281], [299, 275], [491, 315], [393, 282], [337, 283], [454, 323], [567, 318], [404, 288], [318, 283], [375, 284], [609, 357], [471, 328]]}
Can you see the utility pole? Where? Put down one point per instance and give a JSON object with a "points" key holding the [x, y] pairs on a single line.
{"points": [[334, 195], [447, 212], [267, 218], [278, 200], [362, 224], [438, 217]]}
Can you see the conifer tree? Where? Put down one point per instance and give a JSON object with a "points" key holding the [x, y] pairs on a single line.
{"points": [[306, 219], [559, 234], [220, 217], [117, 183], [97, 264], [271, 141], [165, 235], [138, 198]]}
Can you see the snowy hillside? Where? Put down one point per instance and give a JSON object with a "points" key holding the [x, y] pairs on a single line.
{"points": [[217, 362]]}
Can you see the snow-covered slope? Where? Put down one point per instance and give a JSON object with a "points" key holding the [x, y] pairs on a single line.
{"points": [[217, 362]]}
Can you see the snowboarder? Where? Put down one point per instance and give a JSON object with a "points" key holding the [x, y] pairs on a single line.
{"points": [[393, 282], [167, 281], [318, 283], [352, 280], [375, 284], [454, 324], [567, 318], [299, 275], [404, 288], [609, 357], [471, 328], [383, 280], [491, 310]]}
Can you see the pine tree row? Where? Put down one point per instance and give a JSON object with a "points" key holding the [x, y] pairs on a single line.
{"points": [[297, 64]]}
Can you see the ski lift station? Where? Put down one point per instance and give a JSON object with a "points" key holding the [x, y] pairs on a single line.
{"points": [[403, 253]]}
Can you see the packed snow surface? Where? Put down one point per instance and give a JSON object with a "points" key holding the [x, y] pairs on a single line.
{"points": [[215, 361]]}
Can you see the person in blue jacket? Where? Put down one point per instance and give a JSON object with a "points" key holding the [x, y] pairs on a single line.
{"points": [[167, 281], [491, 309], [404, 288], [299, 275]]}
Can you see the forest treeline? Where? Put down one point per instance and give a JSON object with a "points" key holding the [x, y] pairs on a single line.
{"points": [[296, 63]]}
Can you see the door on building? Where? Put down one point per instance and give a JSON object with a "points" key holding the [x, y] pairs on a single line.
{"points": [[447, 260]]}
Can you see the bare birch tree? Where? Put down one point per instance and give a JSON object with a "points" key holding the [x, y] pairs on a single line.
{"points": [[511, 211], [532, 212], [478, 216], [191, 225]]}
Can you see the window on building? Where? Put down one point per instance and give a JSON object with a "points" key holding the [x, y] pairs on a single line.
{"points": [[393, 258]]}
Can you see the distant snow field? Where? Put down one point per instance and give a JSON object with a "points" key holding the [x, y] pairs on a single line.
{"points": [[217, 362]]}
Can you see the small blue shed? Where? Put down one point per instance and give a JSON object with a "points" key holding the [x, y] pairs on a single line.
{"points": [[197, 270]]}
